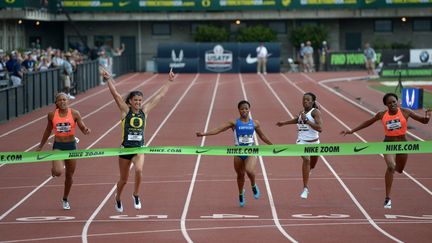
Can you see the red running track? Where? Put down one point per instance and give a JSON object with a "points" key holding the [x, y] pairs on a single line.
{"points": [[194, 198]]}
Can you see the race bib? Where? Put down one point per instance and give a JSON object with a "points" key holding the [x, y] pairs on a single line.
{"points": [[303, 127], [63, 127], [246, 139], [393, 125], [134, 137]]}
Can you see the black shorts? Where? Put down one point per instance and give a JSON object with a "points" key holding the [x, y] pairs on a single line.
{"points": [[65, 146], [127, 156]]}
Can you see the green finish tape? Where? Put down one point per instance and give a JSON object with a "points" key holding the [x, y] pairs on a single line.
{"points": [[411, 147]]}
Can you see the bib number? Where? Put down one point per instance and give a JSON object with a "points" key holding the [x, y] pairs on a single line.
{"points": [[393, 125], [134, 137]]}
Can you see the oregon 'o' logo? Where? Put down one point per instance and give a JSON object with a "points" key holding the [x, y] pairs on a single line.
{"points": [[206, 3], [136, 122], [286, 3], [9, 1]]}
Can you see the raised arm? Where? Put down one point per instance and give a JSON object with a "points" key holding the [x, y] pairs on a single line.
{"points": [[365, 124], [77, 116], [261, 133], [224, 127], [47, 131], [117, 97], [153, 102]]}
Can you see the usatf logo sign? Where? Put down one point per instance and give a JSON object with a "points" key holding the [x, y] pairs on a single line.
{"points": [[218, 59]]}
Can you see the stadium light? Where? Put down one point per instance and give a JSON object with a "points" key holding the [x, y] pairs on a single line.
{"points": [[37, 23], [404, 19], [237, 22], [20, 21]]}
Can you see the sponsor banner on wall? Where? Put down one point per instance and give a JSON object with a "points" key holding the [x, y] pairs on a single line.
{"points": [[187, 65], [349, 60], [421, 56], [218, 58], [393, 57], [215, 57]]}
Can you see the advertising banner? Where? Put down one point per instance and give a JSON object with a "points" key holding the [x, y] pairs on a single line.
{"points": [[349, 60], [423, 56], [218, 58], [248, 57], [182, 57]]}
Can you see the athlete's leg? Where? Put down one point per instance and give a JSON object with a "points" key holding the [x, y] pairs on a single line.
{"points": [[138, 161], [250, 164], [70, 165], [306, 170], [124, 165], [401, 160], [57, 167], [239, 167], [313, 161], [391, 166]]}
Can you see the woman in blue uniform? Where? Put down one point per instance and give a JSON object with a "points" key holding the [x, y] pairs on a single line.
{"points": [[133, 117], [244, 130]]}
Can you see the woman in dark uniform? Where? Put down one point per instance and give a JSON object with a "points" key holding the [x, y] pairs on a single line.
{"points": [[133, 117]]}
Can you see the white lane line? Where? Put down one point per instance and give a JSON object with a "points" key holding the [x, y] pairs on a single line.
{"points": [[197, 164], [322, 83], [351, 195], [49, 178], [98, 209], [74, 103], [266, 180]]}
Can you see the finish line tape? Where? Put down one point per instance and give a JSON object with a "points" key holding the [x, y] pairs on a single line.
{"points": [[411, 147]]}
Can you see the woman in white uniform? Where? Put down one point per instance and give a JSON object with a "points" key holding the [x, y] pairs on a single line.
{"points": [[309, 125]]}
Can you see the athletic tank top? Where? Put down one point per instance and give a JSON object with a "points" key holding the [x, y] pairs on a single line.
{"points": [[306, 132], [133, 129], [244, 133], [394, 125], [63, 126]]}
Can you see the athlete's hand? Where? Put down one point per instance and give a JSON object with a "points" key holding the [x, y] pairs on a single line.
{"points": [[199, 134], [171, 75], [346, 132], [87, 131], [279, 124]]}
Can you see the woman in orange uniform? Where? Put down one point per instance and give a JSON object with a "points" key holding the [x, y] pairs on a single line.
{"points": [[63, 121], [394, 120]]}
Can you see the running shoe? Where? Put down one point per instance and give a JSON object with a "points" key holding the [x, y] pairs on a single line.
{"points": [[305, 193], [66, 205], [136, 201], [119, 206], [242, 199], [256, 191], [387, 203]]}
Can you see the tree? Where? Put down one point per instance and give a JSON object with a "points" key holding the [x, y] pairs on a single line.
{"points": [[208, 33], [257, 33], [316, 34]]}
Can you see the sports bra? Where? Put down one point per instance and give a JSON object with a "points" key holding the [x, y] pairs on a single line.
{"points": [[394, 125], [63, 126]]}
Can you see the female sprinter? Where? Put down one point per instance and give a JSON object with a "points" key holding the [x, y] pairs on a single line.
{"points": [[63, 120], [394, 120], [244, 130], [309, 125], [133, 117]]}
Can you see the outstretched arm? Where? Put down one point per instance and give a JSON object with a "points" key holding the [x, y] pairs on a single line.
{"points": [[261, 133], [77, 116], [47, 132], [117, 97], [423, 119], [152, 103], [217, 130], [365, 124], [283, 123]]}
